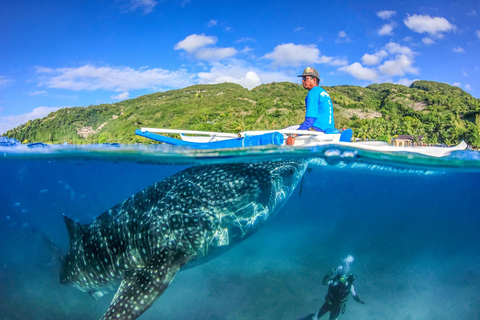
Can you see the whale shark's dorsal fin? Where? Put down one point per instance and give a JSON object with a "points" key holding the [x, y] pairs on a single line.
{"points": [[142, 286], [74, 229]]}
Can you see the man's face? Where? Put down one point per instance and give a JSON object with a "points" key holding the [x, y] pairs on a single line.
{"points": [[308, 82]]}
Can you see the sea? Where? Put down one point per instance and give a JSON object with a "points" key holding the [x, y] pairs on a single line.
{"points": [[411, 222]]}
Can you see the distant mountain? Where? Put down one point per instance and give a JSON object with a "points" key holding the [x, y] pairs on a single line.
{"points": [[440, 112]]}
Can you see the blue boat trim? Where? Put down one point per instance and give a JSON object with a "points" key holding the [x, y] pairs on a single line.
{"points": [[273, 138], [346, 135]]}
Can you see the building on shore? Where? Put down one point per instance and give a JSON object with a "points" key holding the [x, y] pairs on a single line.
{"points": [[407, 141]]}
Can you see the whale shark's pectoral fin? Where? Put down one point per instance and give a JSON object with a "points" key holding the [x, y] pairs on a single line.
{"points": [[141, 287]]}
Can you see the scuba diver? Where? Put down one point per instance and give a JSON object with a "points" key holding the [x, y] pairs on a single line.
{"points": [[340, 287]]}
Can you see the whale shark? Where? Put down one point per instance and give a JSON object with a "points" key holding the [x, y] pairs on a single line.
{"points": [[140, 244]]}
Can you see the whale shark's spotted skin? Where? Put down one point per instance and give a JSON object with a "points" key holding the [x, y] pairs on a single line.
{"points": [[144, 241]]}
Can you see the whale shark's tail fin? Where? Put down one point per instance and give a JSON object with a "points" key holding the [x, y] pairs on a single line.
{"points": [[141, 287]]}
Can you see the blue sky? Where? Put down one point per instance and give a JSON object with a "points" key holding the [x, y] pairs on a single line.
{"points": [[56, 54]]}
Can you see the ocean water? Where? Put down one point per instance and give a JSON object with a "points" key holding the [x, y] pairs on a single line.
{"points": [[411, 222]]}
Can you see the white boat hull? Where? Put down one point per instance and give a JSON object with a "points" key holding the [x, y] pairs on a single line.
{"points": [[307, 139]]}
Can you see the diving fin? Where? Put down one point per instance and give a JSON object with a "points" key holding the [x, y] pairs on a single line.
{"points": [[311, 316]]}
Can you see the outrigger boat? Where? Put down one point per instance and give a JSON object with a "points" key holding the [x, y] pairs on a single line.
{"points": [[295, 138], [215, 140]]}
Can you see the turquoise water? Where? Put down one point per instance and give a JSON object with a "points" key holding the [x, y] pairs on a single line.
{"points": [[411, 222]]}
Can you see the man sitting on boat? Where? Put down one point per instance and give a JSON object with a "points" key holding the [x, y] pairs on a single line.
{"points": [[319, 107]]}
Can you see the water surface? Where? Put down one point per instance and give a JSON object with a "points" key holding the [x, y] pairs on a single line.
{"points": [[411, 222]]}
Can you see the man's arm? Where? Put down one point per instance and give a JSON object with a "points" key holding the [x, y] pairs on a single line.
{"points": [[307, 124], [328, 276], [311, 114], [355, 296]]}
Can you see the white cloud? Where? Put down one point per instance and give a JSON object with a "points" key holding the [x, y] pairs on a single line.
{"points": [[90, 77], [399, 64], [289, 54], [360, 72], [406, 82], [198, 45], [458, 50], [194, 42], [214, 54], [471, 13], [10, 122], [468, 87], [371, 59], [385, 14], [324, 59], [337, 62], [382, 54], [427, 41], [395, 48], [294, 54], [212, 23], [5, 82], [122, 96], [477, 33], [244, 39], [36, 93], [332, 61], [342, 37], [298, 29], [145, 5], [457, 84], [246, 49], [248, 80], [386, 30], [237, 71], [425, 24], [398, 67], [464, 73]]}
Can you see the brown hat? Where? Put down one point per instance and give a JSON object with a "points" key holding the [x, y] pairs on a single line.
{"points": [[309, 71]]}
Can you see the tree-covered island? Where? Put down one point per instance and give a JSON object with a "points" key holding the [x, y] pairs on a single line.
{"points": [[439, 112]]}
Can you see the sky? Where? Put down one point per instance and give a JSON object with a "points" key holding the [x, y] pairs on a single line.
{"points": [[56, 54]]}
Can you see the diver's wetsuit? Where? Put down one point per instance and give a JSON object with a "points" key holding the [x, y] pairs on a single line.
{"points": [[339, 288]]}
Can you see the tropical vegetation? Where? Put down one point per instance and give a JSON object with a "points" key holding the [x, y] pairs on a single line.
{"points": [[439, 112]]}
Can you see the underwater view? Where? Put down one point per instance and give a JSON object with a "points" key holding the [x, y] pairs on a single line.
{"points": [[409, 222]]}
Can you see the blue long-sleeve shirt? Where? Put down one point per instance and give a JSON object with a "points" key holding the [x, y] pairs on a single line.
{"points": [[319, 110]]}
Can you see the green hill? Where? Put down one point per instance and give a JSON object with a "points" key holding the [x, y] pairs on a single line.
{"points": [[440, 112]]}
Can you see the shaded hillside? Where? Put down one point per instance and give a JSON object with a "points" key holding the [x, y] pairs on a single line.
{"points": [[442, 113]]}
